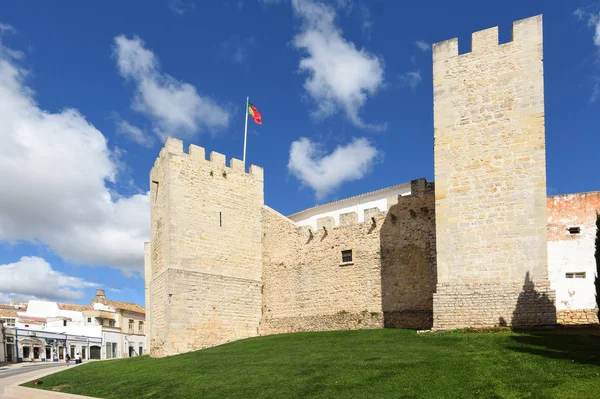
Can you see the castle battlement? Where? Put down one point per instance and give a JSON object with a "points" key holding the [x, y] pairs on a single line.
{"points": [[526, 32], [216, 161]]}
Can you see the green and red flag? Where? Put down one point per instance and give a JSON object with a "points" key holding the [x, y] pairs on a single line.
{"points": [[257, 116]]}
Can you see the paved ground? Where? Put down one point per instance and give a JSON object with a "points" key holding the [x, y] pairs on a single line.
{"points": [[13, 375], [13, 370]]}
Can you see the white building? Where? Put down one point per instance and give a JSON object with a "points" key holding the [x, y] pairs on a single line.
{"points": [[380, 199], [2, 359], [47, 331]]}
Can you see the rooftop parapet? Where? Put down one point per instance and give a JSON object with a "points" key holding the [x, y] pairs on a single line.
{"points": [[526, 31], [198, 154]]}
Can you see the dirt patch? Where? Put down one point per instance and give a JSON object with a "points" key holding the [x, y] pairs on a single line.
{"points": [[59, 387]]}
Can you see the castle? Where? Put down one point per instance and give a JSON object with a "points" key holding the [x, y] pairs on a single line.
{"points": [[485, 246]]}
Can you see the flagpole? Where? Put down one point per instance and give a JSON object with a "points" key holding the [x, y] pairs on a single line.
{"points": [[246, 130]]}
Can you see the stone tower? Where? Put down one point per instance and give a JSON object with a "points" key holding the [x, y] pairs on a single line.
{"points": [[490, 181], [203, 265]]}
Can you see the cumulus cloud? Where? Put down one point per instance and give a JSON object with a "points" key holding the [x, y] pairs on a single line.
{"points": [[55, 168], [411, 79], [33, 278], [421, 45], [340, 75], [175, 108], [326, 172]]}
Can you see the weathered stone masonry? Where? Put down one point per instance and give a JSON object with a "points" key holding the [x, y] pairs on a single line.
{"points": [[470, 251], [206, 251], [490, 176], [390, 281]]}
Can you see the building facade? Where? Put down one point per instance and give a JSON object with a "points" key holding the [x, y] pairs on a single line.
{"points": [[484, 246], [48, 331]]}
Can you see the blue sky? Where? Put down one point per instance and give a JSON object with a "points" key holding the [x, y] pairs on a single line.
{"points": [[88, 92]]}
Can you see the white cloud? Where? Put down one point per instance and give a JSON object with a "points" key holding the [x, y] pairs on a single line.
{"points": [[54, 168], [236, 49], [180, 7], [411, 79], [423, 46], [326, 172], [175, 108], [5, 51], [134, 133], [33, 278], [7, 28], [593, 20], [340, 75]]}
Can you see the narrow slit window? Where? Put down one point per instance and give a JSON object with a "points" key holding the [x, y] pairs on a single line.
{"points": [[220, 220], [574, 230], [347, 256], [575, 275]]}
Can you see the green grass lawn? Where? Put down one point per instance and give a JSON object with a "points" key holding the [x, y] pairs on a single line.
{"points": [[388, 363]]}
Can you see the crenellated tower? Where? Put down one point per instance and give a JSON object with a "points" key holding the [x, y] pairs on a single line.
{"points": [[490, 181], [203, 265]]}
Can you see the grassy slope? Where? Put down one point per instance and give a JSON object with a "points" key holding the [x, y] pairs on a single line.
{"points": [[357, 364]]}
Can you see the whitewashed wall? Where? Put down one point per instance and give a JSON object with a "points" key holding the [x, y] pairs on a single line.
{"points": [[358, 204]]}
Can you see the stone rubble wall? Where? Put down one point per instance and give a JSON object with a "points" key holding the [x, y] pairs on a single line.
{"points": [[494, 304], [577, 316], [307, 287], [408, 258]]}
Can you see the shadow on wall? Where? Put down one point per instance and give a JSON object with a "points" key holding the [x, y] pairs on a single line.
{"points": [[532, 309], [408, 259]]}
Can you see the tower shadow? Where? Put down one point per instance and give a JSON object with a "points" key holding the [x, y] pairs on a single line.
{"points": [[534, 308]]}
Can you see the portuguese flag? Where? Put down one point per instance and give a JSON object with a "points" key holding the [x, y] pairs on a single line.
{"points": [[254, 113]]}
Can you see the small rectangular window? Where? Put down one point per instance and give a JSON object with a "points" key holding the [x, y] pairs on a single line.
{"points": [[347, 256], [64, 323], [575, 275], [89, 319], [574, 230]]}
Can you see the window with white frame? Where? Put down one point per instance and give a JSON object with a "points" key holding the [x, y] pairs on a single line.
{"points": [[9, 322], [131, 326], [141, 327], [575, 275]]}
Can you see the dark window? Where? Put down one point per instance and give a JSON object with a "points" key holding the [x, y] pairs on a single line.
{"points": [[347, 256], [89, 319], [575, 275], [220, 220], [574, 230], [64, 323]]}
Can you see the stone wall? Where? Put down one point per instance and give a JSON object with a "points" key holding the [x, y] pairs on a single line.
{"points": [[493, 304], [408, 258], [207, 309], [160, 314], [490, 172], [307, 287], [206, 221], [571, 248], [390, 280], [577, 316]]}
